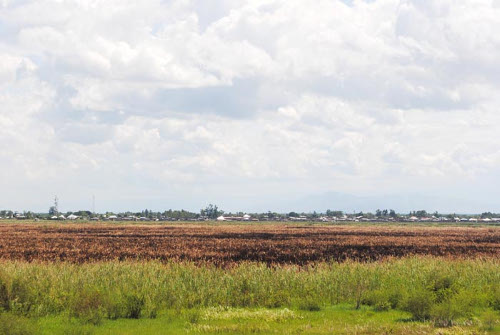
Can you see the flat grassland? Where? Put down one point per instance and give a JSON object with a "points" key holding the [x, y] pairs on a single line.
{"points": [[185, 278], [227, 244]]}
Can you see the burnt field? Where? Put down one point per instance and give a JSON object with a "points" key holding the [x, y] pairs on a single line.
{"points": [[227, 244]]}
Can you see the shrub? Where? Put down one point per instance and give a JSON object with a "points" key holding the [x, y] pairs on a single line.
{"points": [[382, 306], [152, 313], [442, 287], [361, 284], [4, 296], [460, 305], [466, 302], [444, 314], [114, 309], [419, 304], [309, 305], [133, 306], [276, 299], [395, 298], [495, 301], [382, 300], [19, 297], [88, 306]]}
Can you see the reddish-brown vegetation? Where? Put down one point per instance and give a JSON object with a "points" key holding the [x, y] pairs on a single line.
{"points": [[223, 245]]}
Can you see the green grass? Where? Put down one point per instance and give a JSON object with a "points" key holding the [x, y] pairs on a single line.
{"points": [[400, 296], [342, 319]]}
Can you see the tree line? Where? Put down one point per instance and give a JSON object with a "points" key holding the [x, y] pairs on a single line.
{"points": [[212, 211]]}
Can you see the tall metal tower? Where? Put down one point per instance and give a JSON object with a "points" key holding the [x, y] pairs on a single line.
{"points": [[93, 204], [56, 205]]}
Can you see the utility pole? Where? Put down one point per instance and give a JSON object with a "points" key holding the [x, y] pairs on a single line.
{"points": [[93, 204]]}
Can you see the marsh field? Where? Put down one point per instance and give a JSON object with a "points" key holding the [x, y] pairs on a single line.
{"points": [[116, 278]]}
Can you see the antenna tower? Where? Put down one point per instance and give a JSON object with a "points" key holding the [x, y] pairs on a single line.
{"points": [[56, 205]]}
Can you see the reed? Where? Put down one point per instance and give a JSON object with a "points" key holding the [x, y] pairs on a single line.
{"points": [[427, 287]]}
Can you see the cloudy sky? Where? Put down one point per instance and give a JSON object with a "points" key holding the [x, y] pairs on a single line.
{"points": [[249, 104]]}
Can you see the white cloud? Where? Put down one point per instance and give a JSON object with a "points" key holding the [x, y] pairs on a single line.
{"points": [[177, 99]]}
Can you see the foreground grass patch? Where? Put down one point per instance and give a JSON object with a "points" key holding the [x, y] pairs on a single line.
{"points": [[342, 319], [420, 294]]}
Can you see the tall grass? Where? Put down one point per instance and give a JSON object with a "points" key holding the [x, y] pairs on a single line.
{"points": [[427, 287]]}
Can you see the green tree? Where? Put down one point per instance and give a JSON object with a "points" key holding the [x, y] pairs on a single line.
{"points": [[53, 210], [211, 211], [334, 213], [420, 213]]}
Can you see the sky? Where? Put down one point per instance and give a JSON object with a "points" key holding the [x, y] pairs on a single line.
{"points": [[252, 105]]}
